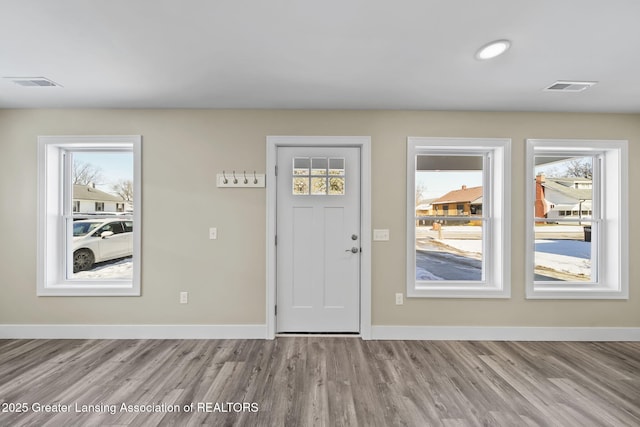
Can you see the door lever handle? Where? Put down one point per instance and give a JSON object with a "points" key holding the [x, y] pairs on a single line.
{"points": [[353, 250]]}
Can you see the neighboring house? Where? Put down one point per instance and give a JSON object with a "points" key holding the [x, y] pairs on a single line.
{"points": [[563, 197], [88, 199], [425, 209], [463, 202]]}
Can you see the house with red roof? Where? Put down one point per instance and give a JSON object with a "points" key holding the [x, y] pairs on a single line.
{"points": [[466, 201]]}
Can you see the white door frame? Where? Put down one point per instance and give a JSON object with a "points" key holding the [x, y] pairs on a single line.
{"points": [[362, 142]]}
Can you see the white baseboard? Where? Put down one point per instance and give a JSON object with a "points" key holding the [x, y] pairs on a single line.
{"points": [[481, 333], [133, 331], [428, 333]]}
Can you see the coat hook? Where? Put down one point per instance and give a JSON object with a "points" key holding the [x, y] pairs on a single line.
{"points": [[246, 181], [255, 178], [224, 178], [235, 180]]}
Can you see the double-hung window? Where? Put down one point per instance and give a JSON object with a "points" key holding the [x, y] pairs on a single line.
{"points": [[458, 198], [89, 215], [577, 219]]}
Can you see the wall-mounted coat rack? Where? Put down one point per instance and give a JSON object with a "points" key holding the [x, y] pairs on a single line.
{"points": [[242, 179]]}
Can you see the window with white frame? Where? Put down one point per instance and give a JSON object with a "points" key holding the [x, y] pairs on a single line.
{"points": [[577, 219], [458, 220], [86, 244]]}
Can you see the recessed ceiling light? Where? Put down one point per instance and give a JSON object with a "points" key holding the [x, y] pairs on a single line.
{"points": [[493, 49]]}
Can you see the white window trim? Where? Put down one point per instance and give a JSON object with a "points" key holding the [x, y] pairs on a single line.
{"points": [[497, 243], [51, 280], [613, 245]]}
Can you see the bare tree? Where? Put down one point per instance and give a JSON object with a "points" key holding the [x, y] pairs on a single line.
{"points": [[420, 189], [549, 171], [86, 173], [124, 189], [580, 169]]}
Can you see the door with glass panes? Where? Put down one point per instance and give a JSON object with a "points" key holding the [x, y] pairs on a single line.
{"points": [[318, 240]]}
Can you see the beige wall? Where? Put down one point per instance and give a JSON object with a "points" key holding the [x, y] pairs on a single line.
{"points": [[182, 152]]}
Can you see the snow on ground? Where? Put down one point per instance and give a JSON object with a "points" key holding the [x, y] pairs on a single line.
{"points": [[120, 269], [565, 264], [567, 256], [472, 246], [564, 254]]}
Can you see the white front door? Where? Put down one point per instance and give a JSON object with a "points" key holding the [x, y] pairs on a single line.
{"points": [[318, 239]]}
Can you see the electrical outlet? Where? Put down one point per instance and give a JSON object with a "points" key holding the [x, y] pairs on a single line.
{"points": [[213, 233], [399, 299], [184, 297]]}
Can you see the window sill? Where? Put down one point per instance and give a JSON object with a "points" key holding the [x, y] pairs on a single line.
{"points": [[86, 290], [576, 293], [458, 291]]}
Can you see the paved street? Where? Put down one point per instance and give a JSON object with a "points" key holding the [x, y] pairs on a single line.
{"points": [[449, 266], [454, 252]]}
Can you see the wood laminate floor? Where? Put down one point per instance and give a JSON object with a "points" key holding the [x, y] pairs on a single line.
{"points": [[308, 381]]}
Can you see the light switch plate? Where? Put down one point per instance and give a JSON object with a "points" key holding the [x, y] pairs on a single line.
{"points": [[381, 235], [213, 233]]}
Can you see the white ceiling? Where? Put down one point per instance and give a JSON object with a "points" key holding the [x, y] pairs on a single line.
{"points": [[305, 54]]}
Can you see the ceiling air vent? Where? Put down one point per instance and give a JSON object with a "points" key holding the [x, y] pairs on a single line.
{"points": [[564, 86], [33, 81]]}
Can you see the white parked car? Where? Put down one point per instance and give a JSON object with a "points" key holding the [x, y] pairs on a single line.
{"points": [[97, 240]]}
